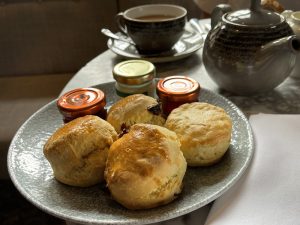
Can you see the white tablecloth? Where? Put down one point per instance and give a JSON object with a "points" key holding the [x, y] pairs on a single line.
{"points": [[269, 193]]}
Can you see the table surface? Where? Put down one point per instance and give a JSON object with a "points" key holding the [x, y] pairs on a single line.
{"points": [[285, 99]]}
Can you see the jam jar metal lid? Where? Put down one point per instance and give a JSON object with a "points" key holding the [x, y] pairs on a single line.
{"points": [[177, 87], [134, 72], [82, 99]]}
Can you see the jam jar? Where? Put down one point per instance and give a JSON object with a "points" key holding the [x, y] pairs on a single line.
{"points": [[174, 91], [80, 102], [134, 77]]}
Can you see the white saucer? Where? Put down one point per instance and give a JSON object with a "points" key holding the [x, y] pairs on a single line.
{"points": [[190, 42]]}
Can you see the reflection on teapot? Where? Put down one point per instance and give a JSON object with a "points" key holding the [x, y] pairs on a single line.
{"points": [[249, 51]]}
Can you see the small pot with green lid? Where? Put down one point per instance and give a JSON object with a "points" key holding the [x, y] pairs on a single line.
{"points": [[134, 77]]}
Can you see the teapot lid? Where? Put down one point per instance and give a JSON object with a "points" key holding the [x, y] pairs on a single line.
{"points": [[254, 16]]}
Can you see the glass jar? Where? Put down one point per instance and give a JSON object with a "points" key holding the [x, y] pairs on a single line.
{"points": [[174, 91], [80, 102], [134, 77]]}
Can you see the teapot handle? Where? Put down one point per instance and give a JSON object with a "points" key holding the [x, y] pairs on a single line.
{"points": [[218, 12]]}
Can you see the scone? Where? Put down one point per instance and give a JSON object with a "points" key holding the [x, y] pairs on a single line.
{"points": [[204, 131], [272, 5], [145, 167], [134, 109], [78, 151]]}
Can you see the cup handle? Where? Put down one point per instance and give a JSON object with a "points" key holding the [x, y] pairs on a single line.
{"points": [[120, 22], [287, 14]]}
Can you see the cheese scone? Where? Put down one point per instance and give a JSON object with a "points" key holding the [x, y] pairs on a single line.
{"points": [[145, 167], [204, 131], [77, 151]]}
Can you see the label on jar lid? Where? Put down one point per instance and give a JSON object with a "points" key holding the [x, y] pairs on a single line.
{"points": [[134, 72]]}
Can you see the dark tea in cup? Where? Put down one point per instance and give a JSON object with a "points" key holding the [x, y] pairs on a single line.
{"points": [[154, 17]]}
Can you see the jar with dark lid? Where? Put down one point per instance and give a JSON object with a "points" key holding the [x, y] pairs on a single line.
{"points": [[174, 91], [82, 101], [134, 77]]}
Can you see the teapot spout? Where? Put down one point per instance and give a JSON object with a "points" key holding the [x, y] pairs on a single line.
{"points": [[278, 56], [289, 44]]}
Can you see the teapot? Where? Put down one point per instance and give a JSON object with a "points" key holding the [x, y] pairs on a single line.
{"points": [[249, 51]]}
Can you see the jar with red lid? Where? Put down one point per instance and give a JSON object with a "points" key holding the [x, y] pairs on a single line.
{"points": [[82, 101], [174, 91]]}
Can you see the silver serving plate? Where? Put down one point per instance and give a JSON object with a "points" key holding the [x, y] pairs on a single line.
{"points": [[32, 175]]}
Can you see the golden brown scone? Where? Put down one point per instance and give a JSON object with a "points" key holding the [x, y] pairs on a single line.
{"points": [[145, 167], [272, 5], [78, 150], [204, 131], [134, 109]]}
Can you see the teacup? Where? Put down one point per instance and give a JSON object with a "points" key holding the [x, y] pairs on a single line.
{"points": [[153, 28]]}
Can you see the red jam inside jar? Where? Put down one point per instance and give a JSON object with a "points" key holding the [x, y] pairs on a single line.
{"points": [[174, 91], [82, 101]]}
